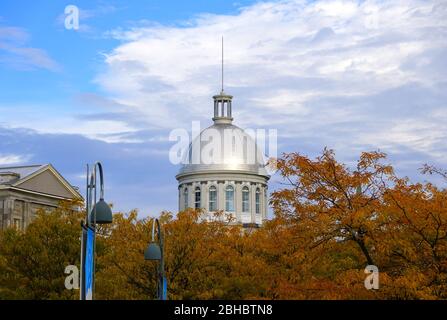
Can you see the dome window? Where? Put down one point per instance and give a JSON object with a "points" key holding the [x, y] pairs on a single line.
{"points": [[197, 195], [229, 199], [245, 199], [213, 199]]}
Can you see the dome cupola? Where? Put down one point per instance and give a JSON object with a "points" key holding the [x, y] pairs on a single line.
{"points": [[224, 170], [222, 108]]}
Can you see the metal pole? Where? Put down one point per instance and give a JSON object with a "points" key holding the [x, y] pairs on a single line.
{"points": [[87, 198], [94, 235], [101, 180], [82, 280], [161, 266], [159, 280], [90, 207], [222, 65], [91, 199], [81, 272]]}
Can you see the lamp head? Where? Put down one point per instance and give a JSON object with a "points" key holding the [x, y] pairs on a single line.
{"points": [[103, 213], [152, 252]]}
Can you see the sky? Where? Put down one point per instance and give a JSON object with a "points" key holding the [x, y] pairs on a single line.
{"points": [[352, 76]]}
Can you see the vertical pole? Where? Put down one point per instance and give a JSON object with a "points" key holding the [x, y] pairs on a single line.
{"points": [[82, 290], [162, 264], [159, 272], [81, 272], [94, 235], [222, 65]]}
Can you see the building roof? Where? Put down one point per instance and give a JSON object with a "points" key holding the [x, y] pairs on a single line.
{"points": [[223, 147], [246, 158], [22, 171], [19, 175]]}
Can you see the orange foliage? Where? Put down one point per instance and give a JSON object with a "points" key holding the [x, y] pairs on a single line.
{"points": [[329, 223]]}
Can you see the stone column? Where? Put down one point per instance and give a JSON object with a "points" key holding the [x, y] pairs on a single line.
{"points": [[221, 195], [259, 214], [182, 197], [179, 198], [266, 202], [262, 203], [26, 214], [9, 211], [204, 198], [191, 193], [233, 183], [238, 201], [2, 213], [252, 203]]}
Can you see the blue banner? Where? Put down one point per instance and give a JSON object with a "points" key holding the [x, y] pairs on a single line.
{"points": [[164, 293], [88, 264]]}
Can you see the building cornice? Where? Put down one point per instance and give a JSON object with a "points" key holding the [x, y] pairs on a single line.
{"points": [[33, 192], [181, 176]]}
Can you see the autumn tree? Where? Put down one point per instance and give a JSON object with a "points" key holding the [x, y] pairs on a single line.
{"points": [[331, 203], [416, 241], [346, 218], [32, 262], [330, 221]]}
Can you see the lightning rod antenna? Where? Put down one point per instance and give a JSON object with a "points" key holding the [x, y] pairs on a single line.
{"points": [[222, 65]]}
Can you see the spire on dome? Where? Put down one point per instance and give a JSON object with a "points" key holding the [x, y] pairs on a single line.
{"points": [[222, 101], [222, 67]]}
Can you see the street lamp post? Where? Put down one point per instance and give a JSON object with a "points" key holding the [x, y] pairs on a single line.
{"points": [[154, 251], [96, 213]]}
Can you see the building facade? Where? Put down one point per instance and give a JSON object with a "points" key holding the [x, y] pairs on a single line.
{"points": [[26, 189], [224, 171]]}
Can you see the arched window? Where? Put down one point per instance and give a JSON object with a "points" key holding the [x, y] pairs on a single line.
{"points": [[245, 199], [185, 198], [213, 199], [229, 198], [197, 195], [258, 201]]}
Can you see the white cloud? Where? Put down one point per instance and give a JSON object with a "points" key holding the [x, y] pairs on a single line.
{"points": [[16, 54], [109, 131], [12, 159], [337, 72]]}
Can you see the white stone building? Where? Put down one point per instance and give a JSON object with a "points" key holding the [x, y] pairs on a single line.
{"points": [[26, 189], [224, 170]]}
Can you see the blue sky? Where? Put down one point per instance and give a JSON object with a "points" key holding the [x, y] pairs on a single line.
{"points": [[349, 75]]}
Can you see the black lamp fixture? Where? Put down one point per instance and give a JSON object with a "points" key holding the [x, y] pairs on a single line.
{"points": [[96, 213], [154, 251], [101, 213]]}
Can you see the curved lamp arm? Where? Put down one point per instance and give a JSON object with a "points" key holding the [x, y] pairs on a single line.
{"points": [[101, 179], [155, 221], [160, 240], [92, 185]]}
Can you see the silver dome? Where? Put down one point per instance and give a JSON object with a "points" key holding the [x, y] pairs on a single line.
{"points": [[223, 147]]}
